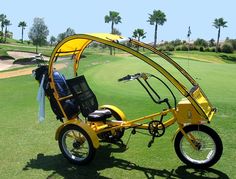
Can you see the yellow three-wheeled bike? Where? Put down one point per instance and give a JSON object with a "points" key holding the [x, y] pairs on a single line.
{"points": [[85, 123]]}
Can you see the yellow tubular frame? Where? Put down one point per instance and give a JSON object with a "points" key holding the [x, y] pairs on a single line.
{"points": [[111, 40]]}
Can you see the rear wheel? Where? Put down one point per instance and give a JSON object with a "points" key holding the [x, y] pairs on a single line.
{"points": [[76, 145], [208, 146]]}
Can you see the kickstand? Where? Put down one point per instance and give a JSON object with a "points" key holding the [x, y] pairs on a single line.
{"points": [[132, 132]]}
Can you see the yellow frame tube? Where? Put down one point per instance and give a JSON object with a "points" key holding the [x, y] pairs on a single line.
{"points": [[133, 123]]}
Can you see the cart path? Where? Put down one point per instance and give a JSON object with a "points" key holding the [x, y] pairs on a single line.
{"points": [[25, 71]]}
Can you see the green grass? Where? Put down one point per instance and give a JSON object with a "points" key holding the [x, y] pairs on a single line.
{"points": [[211, 57], [23, 47], [28, 149]]}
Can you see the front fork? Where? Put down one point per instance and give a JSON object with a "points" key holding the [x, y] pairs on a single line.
{"points": [[190, 138]]}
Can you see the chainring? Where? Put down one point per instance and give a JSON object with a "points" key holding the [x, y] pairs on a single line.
{"points": [[156, 128]]}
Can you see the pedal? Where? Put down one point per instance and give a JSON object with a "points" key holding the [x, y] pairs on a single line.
{"points": [[151, 142]]}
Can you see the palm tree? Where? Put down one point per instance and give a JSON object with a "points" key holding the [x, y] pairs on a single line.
{"points": [[114, 18], [22, 24], [2, 19], [218, 23], [156, 18], [140, 34], [6, 23]]}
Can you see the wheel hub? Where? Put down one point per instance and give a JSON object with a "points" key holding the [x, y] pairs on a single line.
{"points": [[76, 144]]}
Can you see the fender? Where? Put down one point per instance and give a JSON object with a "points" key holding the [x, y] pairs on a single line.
{"points": [[84, 126], [116, 110]]}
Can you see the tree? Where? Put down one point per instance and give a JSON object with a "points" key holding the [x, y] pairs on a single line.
{"points": [[22, 24], [139, 34], [52, 40], [38, 33], [218, 23], [69, 31], [114, 18], [6, 24], [211, 42], [116, 31], [2, 19], [156, 18], [200, 42]]}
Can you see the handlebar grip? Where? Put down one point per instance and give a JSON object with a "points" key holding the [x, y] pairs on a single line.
{"points": [[128, 77]]}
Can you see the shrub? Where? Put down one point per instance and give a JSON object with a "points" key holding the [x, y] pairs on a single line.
{"points": [[6, 57], [213, 49], [200, 42], [207, 49], [27, 61], [178, 48], [168, 53], [175, 42], [184, 48], [161, 48], [232, 42], [169, 48], [227, 48], [201, 49]]}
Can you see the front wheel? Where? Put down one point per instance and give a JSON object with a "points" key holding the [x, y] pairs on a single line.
{"points": [[208, 146], [76, 145]]}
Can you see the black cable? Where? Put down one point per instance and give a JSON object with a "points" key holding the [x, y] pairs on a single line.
{"points": [[175, 101], [149, 92], [159, 98], [152, 89]]}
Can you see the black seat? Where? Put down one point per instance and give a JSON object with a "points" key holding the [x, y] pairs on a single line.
{"points": [[99, 115], [87, 99]]}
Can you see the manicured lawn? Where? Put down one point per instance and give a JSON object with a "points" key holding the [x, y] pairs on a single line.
{"points": [[206, 56], [23, 47], [29, 150]]}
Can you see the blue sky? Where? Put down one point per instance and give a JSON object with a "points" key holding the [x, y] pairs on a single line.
{"points": [[88, 16]]}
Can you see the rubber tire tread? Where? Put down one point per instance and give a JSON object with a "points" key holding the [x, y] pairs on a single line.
{"points": [[210, 132], [92, 150]]}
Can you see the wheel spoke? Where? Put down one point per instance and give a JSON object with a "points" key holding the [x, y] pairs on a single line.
{"points": [[75, 145], [205, 147]]}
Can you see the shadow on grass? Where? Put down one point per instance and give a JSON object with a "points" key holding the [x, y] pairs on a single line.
{"points": [[59, 166]]}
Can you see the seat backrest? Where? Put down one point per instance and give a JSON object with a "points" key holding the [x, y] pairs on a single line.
{"points": [[63, 90], [61, 85], [83, 94]]}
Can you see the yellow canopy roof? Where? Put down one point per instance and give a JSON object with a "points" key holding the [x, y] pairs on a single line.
{"points": [[75, 44]]}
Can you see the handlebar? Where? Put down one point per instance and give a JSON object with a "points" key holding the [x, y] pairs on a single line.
{"points": [[145, 76], [151, 92]]}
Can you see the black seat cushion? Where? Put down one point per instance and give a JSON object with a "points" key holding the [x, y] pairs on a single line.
{"points": [[99, 115]]}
